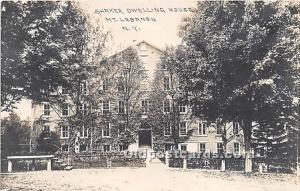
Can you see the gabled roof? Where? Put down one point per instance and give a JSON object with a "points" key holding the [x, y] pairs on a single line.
{"points": [[143, 41], [135, 44]]}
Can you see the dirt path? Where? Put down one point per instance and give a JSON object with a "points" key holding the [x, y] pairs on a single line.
{"points": [[145, 179]]}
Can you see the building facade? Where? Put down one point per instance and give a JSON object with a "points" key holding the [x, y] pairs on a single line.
{"points": [[130, 105]]}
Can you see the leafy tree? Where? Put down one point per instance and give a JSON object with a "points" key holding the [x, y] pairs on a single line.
{"points": [[165, 90], [119, 79], [48, 142], [42, 45], [237, 63], [14, 136]]}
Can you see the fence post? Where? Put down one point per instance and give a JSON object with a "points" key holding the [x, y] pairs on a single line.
{"points": [[167, 158], [184, 163], [49, 165], [260, 168], [9, 166], [223, 165], [108, 162]]}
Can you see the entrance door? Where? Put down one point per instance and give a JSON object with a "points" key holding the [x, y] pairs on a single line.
{"points": [[145, 138]]}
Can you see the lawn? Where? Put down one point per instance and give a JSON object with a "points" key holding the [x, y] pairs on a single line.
{"points": [[146, 179]]}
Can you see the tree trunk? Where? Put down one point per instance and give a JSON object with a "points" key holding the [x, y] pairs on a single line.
{"points": [[247, 138]]}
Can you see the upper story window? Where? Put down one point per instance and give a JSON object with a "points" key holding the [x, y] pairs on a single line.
{"points": [[105, 106], [202, 129], [202, 147], [145, 106], [106, 130], [120, 85], [84, 132], [182, 128], [219, 130], [64, 90], [64, 133], [236, 148], [83, 108], [123, 147], [183, 147], [106, 148], [46, 109], [121, 128], [105, 84], [65, 109], [46, 128], [182, 108], [220, 149], [166, 83], [167, 106], [121, 108], [167, 130], [83, 88], [235, 128]]}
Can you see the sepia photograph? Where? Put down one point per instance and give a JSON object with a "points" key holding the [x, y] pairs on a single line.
{"points": [[160, 95]]}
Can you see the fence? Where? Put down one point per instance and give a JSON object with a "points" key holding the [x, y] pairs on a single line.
{"points": [[275, 165], [102, 160]]}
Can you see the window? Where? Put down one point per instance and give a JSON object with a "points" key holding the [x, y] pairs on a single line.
{"points": [[167, 106], [235, 128], [145, 106], [219, 148], [106, 130], [169, 147], [105, 85], [65, 132], [105, 106], [121, 107], [46, 109], [182, 128], [202, 128], [65, 148], [46, 128], [121, 129], [166, 83], [106, 148], [123, 147], [182, 108], [168, 130], [64, 90], [236, 148], [83, 88], [84, 132], [120, 85], [219, 130], [65, 109], [183, 147], [144, 86], [202, 147], [82, 148], [83, 108]]}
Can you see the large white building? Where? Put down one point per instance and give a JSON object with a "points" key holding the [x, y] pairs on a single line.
{"points": [[198, 135]]}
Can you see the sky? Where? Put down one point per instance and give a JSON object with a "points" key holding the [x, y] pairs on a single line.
{"points": [[161, 33]]}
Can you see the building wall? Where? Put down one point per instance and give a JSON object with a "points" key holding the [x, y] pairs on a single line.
{"points": [[150, 56]]}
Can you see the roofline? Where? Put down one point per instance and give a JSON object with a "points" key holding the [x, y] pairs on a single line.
{"points": [[135, 44]]}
